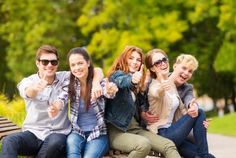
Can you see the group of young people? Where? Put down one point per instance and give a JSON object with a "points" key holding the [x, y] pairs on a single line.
{"points": [[78, 113]]}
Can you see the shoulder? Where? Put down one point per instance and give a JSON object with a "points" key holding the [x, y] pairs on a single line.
{"points": [[188, 86], [32, 77], [119, 73], [28, 80], [62, 74], [185, 86]]}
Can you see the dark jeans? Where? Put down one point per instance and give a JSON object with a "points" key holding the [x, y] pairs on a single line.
{"points": [[179, 131], [27, 144]]}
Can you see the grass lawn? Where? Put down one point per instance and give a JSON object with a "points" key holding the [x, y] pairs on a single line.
{"points": [[225, 125]]}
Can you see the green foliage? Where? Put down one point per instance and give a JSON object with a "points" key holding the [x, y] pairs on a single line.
{"points": [[13, 110], [223, 125], [29, 24], [112, 25], [203, 28], [227, 23]]}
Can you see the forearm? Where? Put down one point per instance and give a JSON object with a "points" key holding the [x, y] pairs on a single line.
{"points": [[98, 75], [31, 92]]}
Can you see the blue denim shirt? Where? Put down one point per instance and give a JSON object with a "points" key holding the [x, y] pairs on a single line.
{"points": [[120, 110]]}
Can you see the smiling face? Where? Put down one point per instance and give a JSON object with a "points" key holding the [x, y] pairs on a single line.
{"points": [[160, 64], [79, 66], [184, 68], [182, 72], [134, 62], [47, 70]]}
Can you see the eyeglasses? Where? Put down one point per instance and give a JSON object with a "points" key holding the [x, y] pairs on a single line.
{"points": [[45, 62], [159, 62]]}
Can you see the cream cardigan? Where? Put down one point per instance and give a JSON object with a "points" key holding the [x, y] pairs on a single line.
{"points": [[160, 104]]}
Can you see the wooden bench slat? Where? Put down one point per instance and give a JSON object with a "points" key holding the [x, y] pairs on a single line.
{"points": [[2, 119], [3, 134], [8, 128], [5, 121], [7, 125]]}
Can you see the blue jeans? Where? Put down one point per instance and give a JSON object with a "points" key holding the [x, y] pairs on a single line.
{"points": [[78, 146], [179, 131], [26, 143]]}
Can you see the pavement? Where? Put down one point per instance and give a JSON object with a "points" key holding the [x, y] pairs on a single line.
{"points": [[222, 146]]}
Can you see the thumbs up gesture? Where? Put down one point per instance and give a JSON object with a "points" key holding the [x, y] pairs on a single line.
{"points": [[165, 82], [137, 76], [41, 84]]}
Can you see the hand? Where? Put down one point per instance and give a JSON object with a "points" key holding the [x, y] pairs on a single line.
{"points": [[54, 109], [165, 85], [137, 76], [149, 118], [206, 123], [111, 88], [41, 84], [193, 108]]}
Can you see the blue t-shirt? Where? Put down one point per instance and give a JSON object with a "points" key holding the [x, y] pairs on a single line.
{"points": [[86, 119]]}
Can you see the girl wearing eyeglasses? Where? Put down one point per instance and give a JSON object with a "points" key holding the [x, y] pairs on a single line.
{"points": [[175, 121], [125, 134]]}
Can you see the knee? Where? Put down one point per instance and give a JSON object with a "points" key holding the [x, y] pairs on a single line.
{"points": [[75, 143], [70, 140], [201, 113], [57, 141], [144, 145], [169, 145], [9, 141]]}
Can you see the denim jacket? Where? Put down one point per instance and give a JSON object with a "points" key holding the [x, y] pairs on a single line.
{"points": [[120, 110]]}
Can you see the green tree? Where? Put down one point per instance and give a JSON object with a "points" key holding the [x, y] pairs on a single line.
{"points": [[114, 24], [30, 24]]}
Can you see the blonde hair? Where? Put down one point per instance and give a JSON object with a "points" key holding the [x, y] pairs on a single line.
{"points": [[188, 59]]}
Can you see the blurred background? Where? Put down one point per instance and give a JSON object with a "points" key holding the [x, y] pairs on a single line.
{"points": [[205, 29]]}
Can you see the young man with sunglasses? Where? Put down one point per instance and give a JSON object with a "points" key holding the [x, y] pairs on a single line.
{"points": [[41, 135]]}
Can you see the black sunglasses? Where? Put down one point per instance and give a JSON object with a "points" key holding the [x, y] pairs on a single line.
{"points": [[159, 62], [45, 62]]}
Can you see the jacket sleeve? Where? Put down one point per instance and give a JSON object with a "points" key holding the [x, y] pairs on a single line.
{"points": [[121, 79], [188, 96]]}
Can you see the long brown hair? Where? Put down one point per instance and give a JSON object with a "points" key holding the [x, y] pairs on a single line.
{"points": [[73, 80], [121, 63]]}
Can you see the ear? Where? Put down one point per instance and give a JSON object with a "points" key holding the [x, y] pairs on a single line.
{"points": [[37, 63], [152, 69], [174, 66]]}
